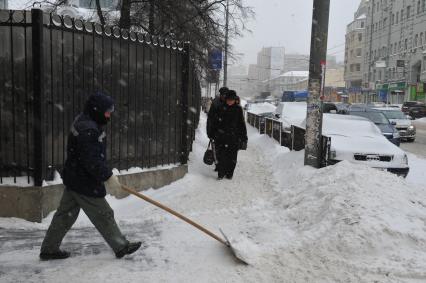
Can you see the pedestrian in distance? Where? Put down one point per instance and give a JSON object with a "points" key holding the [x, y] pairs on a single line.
{"points": [[230, 135], [213, 114], [85, 176]]}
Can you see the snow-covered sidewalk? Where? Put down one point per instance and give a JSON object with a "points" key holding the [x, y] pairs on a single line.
{"points": [[342, 223]]}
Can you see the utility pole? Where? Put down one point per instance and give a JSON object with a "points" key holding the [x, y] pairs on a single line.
{"points": [[225, 63], [313, 140]]}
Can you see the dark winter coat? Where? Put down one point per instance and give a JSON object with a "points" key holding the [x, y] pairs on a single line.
{"points": [[230, 129], [213, 116], [85, 169]]}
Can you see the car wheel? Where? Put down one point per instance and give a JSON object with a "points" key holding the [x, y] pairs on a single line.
{"points": [[411, 140]]}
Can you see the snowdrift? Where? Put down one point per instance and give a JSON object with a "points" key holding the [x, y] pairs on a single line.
{"points": [[349, 222]]}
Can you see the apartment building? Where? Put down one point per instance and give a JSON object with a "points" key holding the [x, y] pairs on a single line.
{"points": [[395, 50]]}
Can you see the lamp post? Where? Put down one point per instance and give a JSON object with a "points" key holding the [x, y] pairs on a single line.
{"points": [[225, 63], [313, 137]]}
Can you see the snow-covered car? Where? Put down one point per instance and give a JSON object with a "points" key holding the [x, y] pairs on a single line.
{"points": [[291, 113], [359, 140], [402, 123], [260, 108]]}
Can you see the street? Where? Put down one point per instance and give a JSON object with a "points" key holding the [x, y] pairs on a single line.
{"points": [[418, 147]]}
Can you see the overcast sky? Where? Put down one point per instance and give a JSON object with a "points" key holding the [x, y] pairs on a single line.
{"points": [[288, 23]]}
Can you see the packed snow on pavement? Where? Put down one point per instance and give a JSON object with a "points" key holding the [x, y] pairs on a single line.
{"points": [[343, 223]]}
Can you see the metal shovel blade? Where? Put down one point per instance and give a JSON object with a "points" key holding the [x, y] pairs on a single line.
{"points": [[233, 250]]}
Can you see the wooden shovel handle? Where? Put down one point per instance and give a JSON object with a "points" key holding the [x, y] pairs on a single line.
{"points": [[177, 214]]}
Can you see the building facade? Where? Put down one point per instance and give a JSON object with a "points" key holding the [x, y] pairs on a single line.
{"points": [[354, 43], [395, 50], [289, 81], [295, 62], [270, 62]]}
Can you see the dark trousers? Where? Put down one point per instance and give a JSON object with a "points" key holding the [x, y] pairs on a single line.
{"points": [[99, 213], [227, 160]]}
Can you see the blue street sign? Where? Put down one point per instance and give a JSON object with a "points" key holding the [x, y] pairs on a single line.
{"points": [[215, 59]]}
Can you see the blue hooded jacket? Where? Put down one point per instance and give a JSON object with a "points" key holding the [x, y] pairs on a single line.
{"points": [[86, 169]]}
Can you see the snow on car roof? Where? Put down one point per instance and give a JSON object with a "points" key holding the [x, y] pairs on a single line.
{"points": [[292, 113], [348, 125], [260, 108]]}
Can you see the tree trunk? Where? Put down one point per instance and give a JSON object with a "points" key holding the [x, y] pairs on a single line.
{"points": [[125, 14], [99, 11], [151, 23]]}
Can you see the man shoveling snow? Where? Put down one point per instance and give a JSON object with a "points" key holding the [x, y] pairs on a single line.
{"points": [[85, 173]]}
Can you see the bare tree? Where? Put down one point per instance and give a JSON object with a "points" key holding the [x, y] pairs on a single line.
{"points": [[199, 21]]}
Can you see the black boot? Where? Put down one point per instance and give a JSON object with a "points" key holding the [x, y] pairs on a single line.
{"points": [[129, 249], [56, 255]]}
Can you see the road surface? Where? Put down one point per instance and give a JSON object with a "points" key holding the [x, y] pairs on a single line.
{"points": [[418, 147]]}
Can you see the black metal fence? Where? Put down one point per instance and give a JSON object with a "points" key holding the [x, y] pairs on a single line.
{"points": [[293, 139], [50, 64]]}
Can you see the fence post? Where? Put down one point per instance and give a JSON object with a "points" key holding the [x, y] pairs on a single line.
{"points": [[184, 99], [38, 90]]}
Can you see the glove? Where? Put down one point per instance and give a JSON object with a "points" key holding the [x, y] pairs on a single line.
{"points": [[243, 145], [112, 184]]}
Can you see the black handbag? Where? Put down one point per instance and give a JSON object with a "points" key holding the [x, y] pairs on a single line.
{"points": [[243, 145], [209, 155]]}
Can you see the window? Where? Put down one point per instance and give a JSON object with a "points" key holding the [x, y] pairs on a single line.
{"points": [[385, 21], [423, 5], [421, 39], [358, 67], [390, 48], [393, 19], [408, 12], [416, 39], [362, 24], [3, 4], [358, 52], [402, 15], [397, 17], [406, 44], [359, 37], [419, 8]]}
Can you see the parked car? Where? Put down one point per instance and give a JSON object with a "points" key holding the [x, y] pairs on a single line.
{"points": [[403, 124], [417, 112], [406, 106], [378, 118], [263, 110], [357, 139], [291, 113]]}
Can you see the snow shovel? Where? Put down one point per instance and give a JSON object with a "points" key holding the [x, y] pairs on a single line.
{"points": [[225, 241]]}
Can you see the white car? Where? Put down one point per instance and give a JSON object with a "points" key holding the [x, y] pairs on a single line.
{"points": [[291, 113], [402, 123], [358, 140]]}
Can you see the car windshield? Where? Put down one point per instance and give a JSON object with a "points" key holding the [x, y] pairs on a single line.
{"points": [[394, 115], [375, 117]]}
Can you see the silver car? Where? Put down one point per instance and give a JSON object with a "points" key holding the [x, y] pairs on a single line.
{"points": [[402, 123]]}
